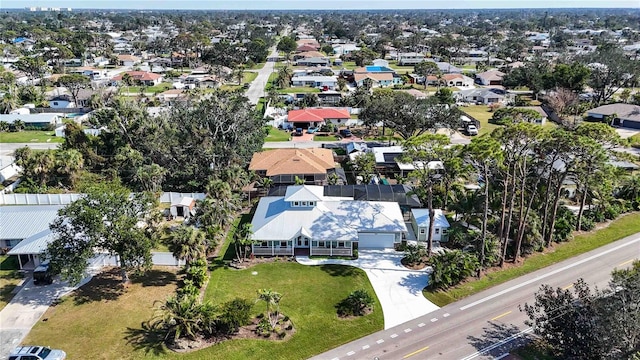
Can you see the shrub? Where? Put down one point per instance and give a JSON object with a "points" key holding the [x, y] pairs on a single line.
{"points": [[264, 327], [197, 273], [587, 224], [233, 315], [413, 254], [451, 267], [188, 289], [356, 304]]}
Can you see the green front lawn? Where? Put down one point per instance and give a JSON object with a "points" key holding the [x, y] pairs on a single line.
{"points": [[618, 229], [310, 294], [394, 65], [29, 136], [147, 89], [257, 66], [296, 90], [9, 278], [482, 114], [349, 65], [277, 135], [325, 138], [101, 320]]}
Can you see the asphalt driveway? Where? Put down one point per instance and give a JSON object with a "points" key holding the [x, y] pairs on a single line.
{"points": [[399, 289]]}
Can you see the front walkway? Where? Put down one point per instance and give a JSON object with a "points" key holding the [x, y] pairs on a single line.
{"points": [[399, 289]]}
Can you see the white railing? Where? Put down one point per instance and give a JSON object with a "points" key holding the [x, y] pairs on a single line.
{"points": [[331, 252], [272, 251]]}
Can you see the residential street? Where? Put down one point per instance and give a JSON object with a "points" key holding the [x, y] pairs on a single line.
{"points": [[488, 324], [256, 89]]}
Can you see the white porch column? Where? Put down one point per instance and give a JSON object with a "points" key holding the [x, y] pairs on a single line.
{"points": [[19, 261], [330, 248]]}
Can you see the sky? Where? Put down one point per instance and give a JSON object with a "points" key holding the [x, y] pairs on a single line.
{"points": [[319, 4]]}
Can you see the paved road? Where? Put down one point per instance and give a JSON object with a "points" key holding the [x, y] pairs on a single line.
{"points": [[256, 89], [488, 324]]}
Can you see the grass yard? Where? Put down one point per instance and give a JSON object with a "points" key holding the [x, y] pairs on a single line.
{"points": [[257, 66], [349, 65], [296, 90], [270, 82], [394, 65], [482, 114], [325, 138], [147, 89], [309, 296], [30, 136], [112, 317], [249, 76], [277, 135], [9, 278], [582, 243]]}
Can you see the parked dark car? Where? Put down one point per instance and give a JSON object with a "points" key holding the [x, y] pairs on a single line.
{"points": [[298, 132], [345, 133], [42, 275]]}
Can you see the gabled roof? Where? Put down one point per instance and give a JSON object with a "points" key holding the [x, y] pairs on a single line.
{"points": [[139, 75], [317, 114], [491, 75], [304, 193], [380, 76], [306, 47], [422, 218], [311, 54], [20, 222], [293, 161], [623, 111], [34, 244]]}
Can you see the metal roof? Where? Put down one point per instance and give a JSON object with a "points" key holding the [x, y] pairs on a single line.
{"points": [[21, 222], [396, 193], [35, 244]]}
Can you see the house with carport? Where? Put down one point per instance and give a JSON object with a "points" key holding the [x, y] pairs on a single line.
{"points": [[283, 166], [625, 115], [304, 221]]}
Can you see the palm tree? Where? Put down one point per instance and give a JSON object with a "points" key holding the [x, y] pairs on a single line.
{"points": [[69, 163], [179, 316], [239, 73], [150, 177], [44, 162], [272, 301], [242, 241], [284, 77], [4, 126], [187, 243], [630, 191], [18, 125], [8, 102]]}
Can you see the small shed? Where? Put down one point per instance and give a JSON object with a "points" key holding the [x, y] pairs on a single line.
{"points": [[420, 224], [183, 207]]}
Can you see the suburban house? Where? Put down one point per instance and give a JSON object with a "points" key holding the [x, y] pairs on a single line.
{"points": [[543, 114], [420, 224], [479, 96], [344, 49], [42, 121], [380, 79], [400, 193], [183, 207], [387, 161], [282, 166], [306, 220], [491, 77], [329, 98], [415, 93], [331, 82], [314, 61], [626, 115], [451, 80], [23, 228], [91, 72], [381, 63], [128, 60], [308, 54], [61, 102], [410, 58], [172, 95], [141, 77], [306, 117], [306, 47]]}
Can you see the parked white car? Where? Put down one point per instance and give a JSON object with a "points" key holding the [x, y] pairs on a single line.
{"points": [[36, 353], [472, 130]]}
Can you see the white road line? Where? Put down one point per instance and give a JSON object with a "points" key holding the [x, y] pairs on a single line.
{"points": [[434, 319], [407, 330], [393, 336], [365, 347], [446, 315], [498, 294], [380, 341], [351, 353], [335, 359], [498, 344], [421, 325], [502, 356]]}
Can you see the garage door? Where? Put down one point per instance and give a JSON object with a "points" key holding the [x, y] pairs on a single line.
{"points": [[631, 124], [375, 241]]}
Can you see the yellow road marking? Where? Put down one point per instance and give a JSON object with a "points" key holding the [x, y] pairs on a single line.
{"points": [[626, 262], [567, 287], [415, 352], [501, 315]]}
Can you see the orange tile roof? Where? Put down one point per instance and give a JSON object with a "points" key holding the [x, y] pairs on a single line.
{"points": [[311, 54], [293, 161], [317, 114], [373, 76], [139, 75]]}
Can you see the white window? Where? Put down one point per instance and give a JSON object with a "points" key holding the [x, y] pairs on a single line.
{"points": [[304, 203], [295, 203], [444, 231], [283, 244], [437, 231], [264, 244], [341, 244], [423, 231], [312, 203], [321, 244]]}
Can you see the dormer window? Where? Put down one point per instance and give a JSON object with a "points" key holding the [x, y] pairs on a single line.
{"points": [[312, 203], [304, 203], [296, 203]]}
